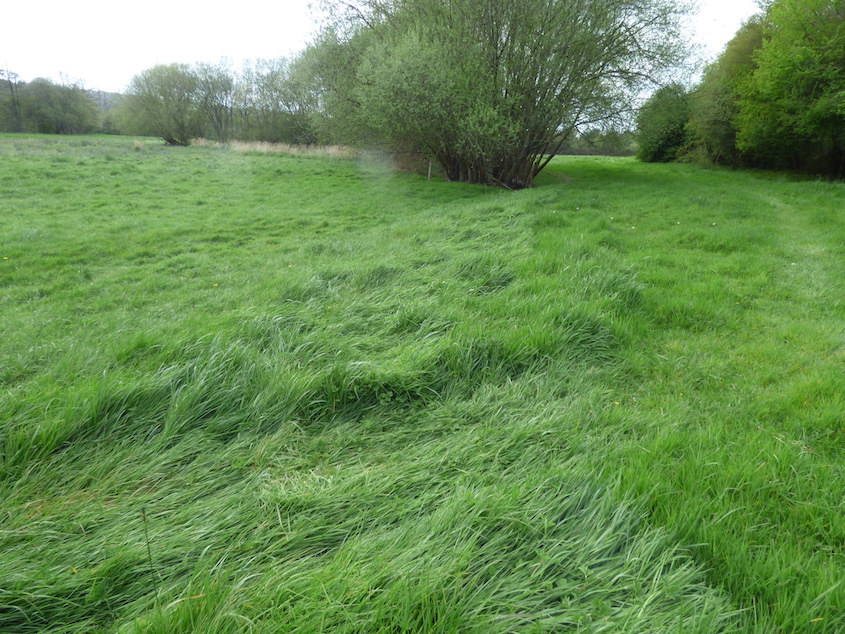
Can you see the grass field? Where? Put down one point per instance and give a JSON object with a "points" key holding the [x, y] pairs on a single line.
{"points": [[259, 392]]}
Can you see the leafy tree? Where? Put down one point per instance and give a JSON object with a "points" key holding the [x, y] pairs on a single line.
{"points": [[267, 101], [486, 88], [163, 101], [714, 104], [331, 67], [215, 98], [661, 124], [792, 110], [276, 100], [11, 116], [52, 108]]}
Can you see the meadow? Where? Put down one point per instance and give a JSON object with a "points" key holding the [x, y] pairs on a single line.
{"points": [[252, 391]]}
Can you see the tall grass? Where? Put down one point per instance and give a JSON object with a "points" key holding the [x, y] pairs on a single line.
{"points": [[248, 391]]}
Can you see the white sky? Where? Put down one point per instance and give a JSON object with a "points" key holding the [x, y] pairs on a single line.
{"points": [[105, 43]]}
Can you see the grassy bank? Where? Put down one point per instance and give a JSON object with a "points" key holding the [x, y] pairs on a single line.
{"points": [[267, 392]]}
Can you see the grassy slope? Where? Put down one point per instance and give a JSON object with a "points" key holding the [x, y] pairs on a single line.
{"points": [[333, 398]]}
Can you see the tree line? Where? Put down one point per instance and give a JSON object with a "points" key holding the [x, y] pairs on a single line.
{"points": [[264, 101], [45, 106], [274, 101], [489, 90], [774, 98], [268, 100]]}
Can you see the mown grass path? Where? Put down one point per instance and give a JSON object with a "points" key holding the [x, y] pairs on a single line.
{"points": [[262, 392]]}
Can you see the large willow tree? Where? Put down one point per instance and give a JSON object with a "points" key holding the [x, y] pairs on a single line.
{"points": [[491, 88]]}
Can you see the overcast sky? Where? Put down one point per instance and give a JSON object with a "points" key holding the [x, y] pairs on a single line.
{"points": [[105, 43]]}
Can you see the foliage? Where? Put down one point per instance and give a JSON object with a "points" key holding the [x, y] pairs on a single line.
{"points": [[44, 106], [487, 88], [275, 101], [215, 99], [330, 65], [714, 104], [267, 101], [774, 98], [661, 124], [792, 113], [11, 115], [163, 101]]}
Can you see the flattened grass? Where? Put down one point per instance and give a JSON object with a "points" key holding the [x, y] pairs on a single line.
{"points": [[331, 397]]}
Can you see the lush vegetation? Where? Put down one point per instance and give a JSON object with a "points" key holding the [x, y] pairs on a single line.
{"points": [[247, 391], [265, 101], [489, 90], [45, 106], [268, 100], [662, 124], [773, 99]]}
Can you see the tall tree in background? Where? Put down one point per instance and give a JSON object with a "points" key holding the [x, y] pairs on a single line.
{"points": [[662, 124], [792, 110], [214, 86], [53, 108], [270, 100], [488, 88], [714, 104], [275, 102], [162, 101], [11, 117]]}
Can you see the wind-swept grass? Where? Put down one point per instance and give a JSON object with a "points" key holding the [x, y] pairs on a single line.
{"points": [[247, 391]]}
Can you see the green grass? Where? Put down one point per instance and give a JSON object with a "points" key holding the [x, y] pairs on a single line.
{"points": [[257, 392]]}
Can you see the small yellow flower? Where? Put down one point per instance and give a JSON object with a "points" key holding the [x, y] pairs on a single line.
{"points": [[216, 285]]}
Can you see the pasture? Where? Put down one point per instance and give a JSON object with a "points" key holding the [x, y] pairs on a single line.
{"points": [[248, 391]]}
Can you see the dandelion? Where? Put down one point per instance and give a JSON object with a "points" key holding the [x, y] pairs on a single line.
{"points": [[216, 285], [5, 258]]}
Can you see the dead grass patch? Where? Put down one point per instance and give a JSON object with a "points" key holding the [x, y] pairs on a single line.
{"points": [[263, 147]]}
